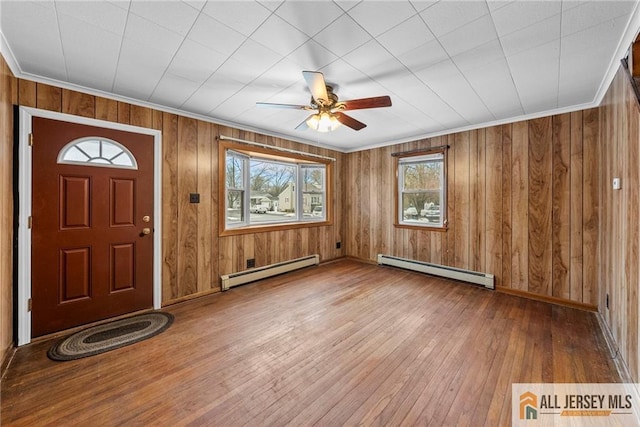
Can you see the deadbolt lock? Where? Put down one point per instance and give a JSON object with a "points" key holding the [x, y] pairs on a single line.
{"points": [[146, 218]]}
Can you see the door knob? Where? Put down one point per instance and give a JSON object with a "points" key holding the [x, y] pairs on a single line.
{"points": [[145, 231]]}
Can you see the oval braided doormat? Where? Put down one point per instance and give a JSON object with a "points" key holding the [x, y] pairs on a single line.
{"points": [[109, 336]]}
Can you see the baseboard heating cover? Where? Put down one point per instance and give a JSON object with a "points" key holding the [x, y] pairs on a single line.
{"points": [[242, 277], [484, 279]]}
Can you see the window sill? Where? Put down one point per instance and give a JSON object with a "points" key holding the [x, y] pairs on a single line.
{"points": [[251, 229], [440, 229]]}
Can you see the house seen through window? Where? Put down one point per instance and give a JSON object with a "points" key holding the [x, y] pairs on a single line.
{"points": [[265, 189]]}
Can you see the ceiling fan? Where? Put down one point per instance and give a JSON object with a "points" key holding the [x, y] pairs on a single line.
{"points": [[329, 114]]}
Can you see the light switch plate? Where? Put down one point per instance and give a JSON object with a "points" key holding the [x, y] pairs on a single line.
{"points": [[616, 184]]}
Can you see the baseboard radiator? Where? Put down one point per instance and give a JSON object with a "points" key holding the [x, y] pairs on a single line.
{"points": [[484, 279], [242, 277]]}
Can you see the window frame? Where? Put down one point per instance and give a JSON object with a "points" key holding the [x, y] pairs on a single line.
{"points": [[276, 156], [398, 220]]}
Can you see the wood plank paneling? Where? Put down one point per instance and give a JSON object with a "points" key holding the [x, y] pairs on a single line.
{"points": [[540, 206], [520, 207], [78, 104], [575, 234], [517, 206], [507, 210], [48, 97], [611, 217], [561, 206], [205, 241], [187, 183], [493, 202], [170, 207], [8, 85]]}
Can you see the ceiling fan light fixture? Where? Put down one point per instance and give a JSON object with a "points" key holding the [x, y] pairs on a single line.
{"points": [[323, 122]]}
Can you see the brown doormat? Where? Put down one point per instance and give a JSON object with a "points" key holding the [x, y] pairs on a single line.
{"points": [[109, 336]]}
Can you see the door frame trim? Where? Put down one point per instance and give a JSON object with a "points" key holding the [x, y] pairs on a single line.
{"points": [[25, 163]]}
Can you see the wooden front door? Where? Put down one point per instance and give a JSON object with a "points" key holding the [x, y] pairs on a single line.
{"points": [[92, 228]]}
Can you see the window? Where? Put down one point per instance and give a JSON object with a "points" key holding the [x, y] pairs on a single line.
{"points": [[269, 188], [421, 191], [96, 151]]}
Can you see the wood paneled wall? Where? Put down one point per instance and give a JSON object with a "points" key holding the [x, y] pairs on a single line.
{"points": [[619, 256], [522, 205], [7, 94], [194, 256]]}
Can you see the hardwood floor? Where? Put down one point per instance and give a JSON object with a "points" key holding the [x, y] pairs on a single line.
{"points": [[343, 343]]}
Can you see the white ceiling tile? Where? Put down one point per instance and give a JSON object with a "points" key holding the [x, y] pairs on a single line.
{"points": [[382, 48], [271, 4], [104, 15], [521, 14], [243, 16], [421, 5], [446, 16], [196, 4], [494, 85], [91, 52], [209, 95], [311, 56], [593, 13], [256, 56], [369, 58], [342, 36], [376, 17], [450, 85], [150, 34], [535, 74], [35, 38], [424, 56], [215, 35], [532, 36], [285, 78], [226, 87], [238, 71], [309, 16], [122, 4], [479, 56], [605, 35], [195, 61], [131, 82], [498, 4], [459, 41], [173, 90], [280, 36], [403, 38], [176, 16]]}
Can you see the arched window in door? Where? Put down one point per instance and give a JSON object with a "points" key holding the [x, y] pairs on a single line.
{"points": [[97, 151]]}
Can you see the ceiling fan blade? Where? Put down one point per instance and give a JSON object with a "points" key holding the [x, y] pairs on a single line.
{"points": [[317, 86], [274, 105], [303, 125], [360, 104], [349, 121]]}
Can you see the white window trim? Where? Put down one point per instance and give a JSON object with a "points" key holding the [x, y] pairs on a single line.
{"points": [[439, 155], [299, 217]]}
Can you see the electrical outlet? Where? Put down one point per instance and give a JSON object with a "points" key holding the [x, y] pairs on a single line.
{"points": [[251, 263], [194, 198], [338, 245]]}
